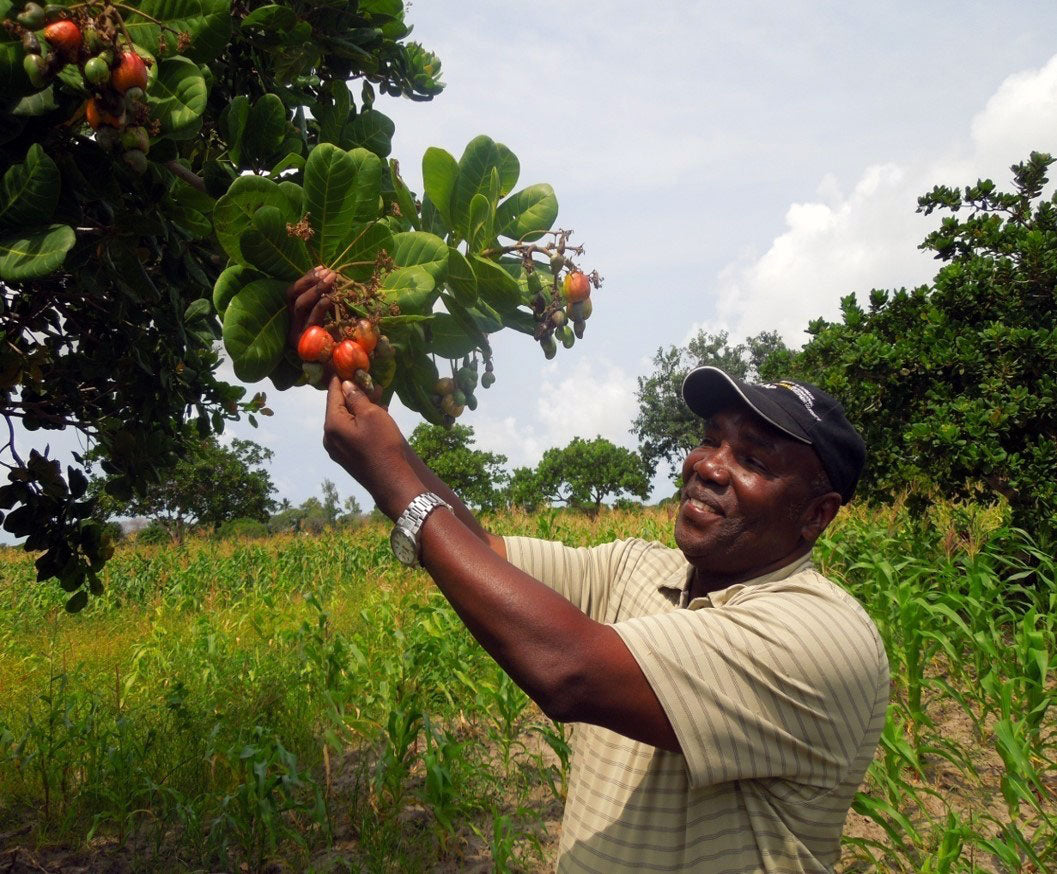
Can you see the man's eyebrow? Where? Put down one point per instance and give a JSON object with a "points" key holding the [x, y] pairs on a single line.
{"points": [[759, 438], [756, 436]]}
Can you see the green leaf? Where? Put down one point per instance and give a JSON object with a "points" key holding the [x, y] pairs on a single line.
{"points": [[528, 214], [208, 22], [233, 125], [487, 319], [415, 378], [509, 169], [520, 320], [235, 210], [268, 247], [265, 130], [386, 322], [371, 130], [289, 161], [286, 374], [412, 289], [178, 96], [448, 339], [332, 114], [195, 224], [358, 255], [428, 251], [30, 190], [478, 161], [13, 81], [461, 279], [433, 221], [255, 327], [198, 309], [403, 197], [270, 18], [465, 321], [27, 256], [77, 601], [494, 285], [479, 225], [230, 282], [71, 77], [439, 173], [36, 104], [295, 198], [342, 189]]}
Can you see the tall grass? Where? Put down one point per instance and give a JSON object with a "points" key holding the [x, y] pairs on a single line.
{"points": [[310, 702]]}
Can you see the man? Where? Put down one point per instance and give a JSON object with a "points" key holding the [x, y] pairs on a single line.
{"points": [[727, 697]]}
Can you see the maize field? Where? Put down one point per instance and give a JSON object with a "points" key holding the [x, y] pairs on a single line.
{"points": [[308, 704]]}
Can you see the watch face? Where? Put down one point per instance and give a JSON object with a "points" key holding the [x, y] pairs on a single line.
{"points": [[404, 546]]}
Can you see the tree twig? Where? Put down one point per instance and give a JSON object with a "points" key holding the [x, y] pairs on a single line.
{"points": [[180, 171]]}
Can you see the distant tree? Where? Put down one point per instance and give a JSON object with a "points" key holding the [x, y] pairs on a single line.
{"points": [[310, 517], [331, 502], [476, 476], [353, 512], [210, 485], [522, 490], [954, 385], [285, 520], [665, 428], [586, 472]]}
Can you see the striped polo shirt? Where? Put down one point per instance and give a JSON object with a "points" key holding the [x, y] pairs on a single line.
{"points": [[776, 688]]}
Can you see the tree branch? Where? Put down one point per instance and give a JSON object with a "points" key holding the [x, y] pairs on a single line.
{"points": [[180, 171]]}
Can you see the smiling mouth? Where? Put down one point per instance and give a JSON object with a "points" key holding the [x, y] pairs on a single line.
{"points": [[698, 504]]}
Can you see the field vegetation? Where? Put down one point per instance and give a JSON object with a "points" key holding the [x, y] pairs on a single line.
{"points": [[306, 703]]}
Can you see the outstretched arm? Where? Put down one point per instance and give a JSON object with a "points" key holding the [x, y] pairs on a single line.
{"points": [[574, 668], [308, 303]]}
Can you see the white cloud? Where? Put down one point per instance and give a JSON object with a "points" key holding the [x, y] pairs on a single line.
{"points": [[587, 399], [593, 398], [868, 238]]}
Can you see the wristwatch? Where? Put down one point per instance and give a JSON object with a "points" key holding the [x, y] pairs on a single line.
{"points": [[405, 535]]}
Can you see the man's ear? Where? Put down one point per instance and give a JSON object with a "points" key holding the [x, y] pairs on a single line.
{"points": [[818, 513]]}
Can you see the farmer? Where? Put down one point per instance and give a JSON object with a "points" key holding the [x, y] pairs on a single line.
{"points": [[727, 698]]}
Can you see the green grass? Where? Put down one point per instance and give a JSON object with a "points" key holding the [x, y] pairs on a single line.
{"points": [[309, 703]]}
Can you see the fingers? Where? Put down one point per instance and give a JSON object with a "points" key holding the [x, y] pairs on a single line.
{"points": [[304, 308], [304, 283], [336, 403], [355, 400], [308, 301], [315, 317]]}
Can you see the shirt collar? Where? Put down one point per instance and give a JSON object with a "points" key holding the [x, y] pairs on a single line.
{"points": [[679, 580]]}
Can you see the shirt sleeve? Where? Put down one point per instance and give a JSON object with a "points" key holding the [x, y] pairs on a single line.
{"points": [[586, 576], [782, 683]]}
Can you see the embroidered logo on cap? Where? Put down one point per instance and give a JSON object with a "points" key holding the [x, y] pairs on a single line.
{"points": [[802, 394]]}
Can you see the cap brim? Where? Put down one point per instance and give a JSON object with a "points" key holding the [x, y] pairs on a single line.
{"points": [[709, 389]]}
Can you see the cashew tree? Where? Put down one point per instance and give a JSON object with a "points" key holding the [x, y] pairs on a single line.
{"points": [[168, 168]]}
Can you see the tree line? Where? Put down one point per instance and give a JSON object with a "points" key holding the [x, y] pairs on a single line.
{"points": [[228, 491]]}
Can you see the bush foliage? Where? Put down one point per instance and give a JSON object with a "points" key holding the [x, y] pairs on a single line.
{"points": [[954, 385]]}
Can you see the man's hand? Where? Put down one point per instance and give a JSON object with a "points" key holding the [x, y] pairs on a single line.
{"points": [[363, 438], [307, 300]]}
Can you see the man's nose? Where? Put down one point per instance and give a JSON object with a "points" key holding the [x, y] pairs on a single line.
{"points": [[712, 466]]}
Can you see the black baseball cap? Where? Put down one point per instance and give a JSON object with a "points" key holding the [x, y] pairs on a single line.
{"points": [[802, 410]]}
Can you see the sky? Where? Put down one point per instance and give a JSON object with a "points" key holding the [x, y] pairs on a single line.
{"points": [[727, 166]]}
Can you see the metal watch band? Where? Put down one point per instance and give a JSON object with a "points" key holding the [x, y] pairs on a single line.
{"points": [[419, 508], [413, 517]]}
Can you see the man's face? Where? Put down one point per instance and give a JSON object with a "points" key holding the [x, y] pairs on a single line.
{"points": [[744, 494]]}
